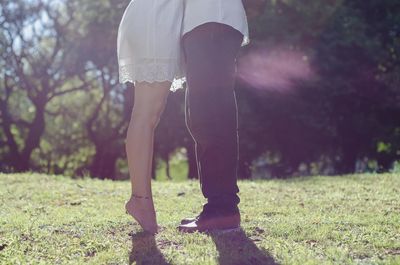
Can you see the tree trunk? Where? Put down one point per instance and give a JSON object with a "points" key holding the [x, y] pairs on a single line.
{"points": [[167, 168], [103, 164], [35, 134], [192, 164], [154, 168], [244, 171]]}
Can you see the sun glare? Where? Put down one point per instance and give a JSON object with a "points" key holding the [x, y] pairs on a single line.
{"points": [[274, 68]]}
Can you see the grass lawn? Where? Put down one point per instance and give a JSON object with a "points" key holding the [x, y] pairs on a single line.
{"points": [[318, 220]]}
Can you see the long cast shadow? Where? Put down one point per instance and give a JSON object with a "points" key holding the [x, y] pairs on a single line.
{"points": [[145, 250], [235, 248]]}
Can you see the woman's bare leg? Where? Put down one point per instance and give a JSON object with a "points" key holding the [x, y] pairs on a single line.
{"points": [[150, 101]]}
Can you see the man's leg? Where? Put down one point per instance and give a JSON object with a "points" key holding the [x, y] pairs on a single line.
{"points": [[211, 115]]}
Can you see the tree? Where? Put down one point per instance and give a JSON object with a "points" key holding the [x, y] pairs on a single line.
{"points": [[34, 73]]}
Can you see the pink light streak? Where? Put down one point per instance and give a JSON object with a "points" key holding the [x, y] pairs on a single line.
{"points": [[274, 69]]}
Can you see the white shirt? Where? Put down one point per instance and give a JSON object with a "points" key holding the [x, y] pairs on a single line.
{"points": [[229, 12]]}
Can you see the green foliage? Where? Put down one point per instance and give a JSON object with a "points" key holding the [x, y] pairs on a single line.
{"points": [[178, 167]]}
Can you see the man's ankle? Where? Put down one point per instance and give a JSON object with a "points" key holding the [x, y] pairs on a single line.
{"points": [[218, 209]]}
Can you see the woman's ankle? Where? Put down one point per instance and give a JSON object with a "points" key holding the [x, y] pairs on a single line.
{"points": [[140, 196], [141, 203]]}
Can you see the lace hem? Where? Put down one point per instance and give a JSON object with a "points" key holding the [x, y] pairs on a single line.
{"points": [[246, 41], [151, 72]]}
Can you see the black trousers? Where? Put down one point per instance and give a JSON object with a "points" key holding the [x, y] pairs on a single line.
{"points": [[210, 52]]}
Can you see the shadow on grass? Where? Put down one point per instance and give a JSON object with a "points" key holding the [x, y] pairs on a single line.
{"points": [[235, 248], [145, 250]]}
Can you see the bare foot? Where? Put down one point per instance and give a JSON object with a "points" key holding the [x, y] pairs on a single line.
{"points": [[142, 210]]}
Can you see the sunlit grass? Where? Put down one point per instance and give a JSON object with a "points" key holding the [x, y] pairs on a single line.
{"points": [[318, 220]]}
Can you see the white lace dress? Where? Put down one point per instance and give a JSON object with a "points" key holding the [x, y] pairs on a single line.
{"points": [[149, 41], [150, 31]]}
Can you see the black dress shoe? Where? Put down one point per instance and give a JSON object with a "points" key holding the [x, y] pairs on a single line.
{"points": [[212, 222], [207, 210]]}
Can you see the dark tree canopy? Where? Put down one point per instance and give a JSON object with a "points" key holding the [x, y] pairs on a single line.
{"points": [[318, 90]]}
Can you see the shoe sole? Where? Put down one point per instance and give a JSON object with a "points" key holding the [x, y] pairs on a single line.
{"points": [[216, 231], [224, 231], [187, 221]]}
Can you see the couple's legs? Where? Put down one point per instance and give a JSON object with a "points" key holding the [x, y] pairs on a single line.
{"points": [[211, 110], [149, 103], [211, 117]]}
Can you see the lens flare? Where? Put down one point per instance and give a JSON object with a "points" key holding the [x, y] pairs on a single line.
{"points": [[274, 69]]}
